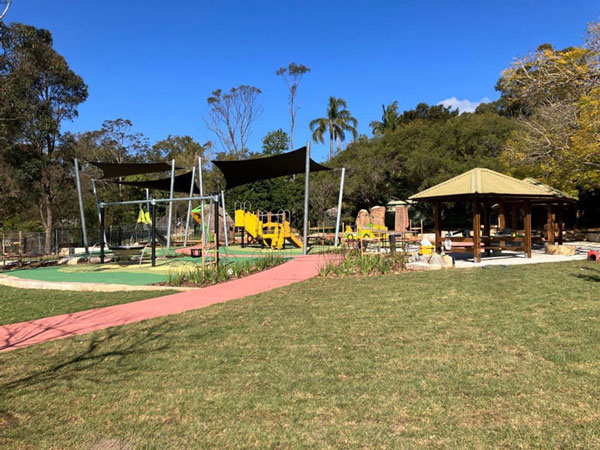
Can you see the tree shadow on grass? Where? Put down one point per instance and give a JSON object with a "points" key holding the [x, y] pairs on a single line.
{"points": [[111, 347], [589, 274]]}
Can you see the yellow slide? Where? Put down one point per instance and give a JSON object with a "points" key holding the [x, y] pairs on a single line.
{"points": [[274, 232]]}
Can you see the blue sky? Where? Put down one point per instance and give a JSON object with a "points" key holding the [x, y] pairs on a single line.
{"points": [[155, 63]]}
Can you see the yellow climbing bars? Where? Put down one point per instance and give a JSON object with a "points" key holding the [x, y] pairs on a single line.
{"points": [[272, 234]]}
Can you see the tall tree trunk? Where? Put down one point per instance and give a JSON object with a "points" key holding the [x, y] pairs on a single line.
{"points": [[292, 126], [339, 145], [48, 225], [330, 144]]}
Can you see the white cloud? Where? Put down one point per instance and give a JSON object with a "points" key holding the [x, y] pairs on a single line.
{"points": [[463, 105]]}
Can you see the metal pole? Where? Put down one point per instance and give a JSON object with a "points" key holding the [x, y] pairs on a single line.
{"points": [[83, 230], [339, 211], [224, 219], [95, 191], [170, 205], [217, 231], [189, 210], [102, 237], [202, 202], [153, 232], [306, 188], [148, 209]]}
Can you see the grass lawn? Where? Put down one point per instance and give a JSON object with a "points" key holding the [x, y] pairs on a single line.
{"points": [[497, 357], [19, 305]]}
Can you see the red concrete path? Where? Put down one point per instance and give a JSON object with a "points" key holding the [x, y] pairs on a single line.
{"points": [[28, 333]]}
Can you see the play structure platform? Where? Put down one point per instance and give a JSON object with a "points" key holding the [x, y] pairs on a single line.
{"points": [[268, 229]]}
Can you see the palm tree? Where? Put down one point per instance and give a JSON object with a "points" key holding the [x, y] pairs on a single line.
{"points": [[389, 120], [337, 123]]}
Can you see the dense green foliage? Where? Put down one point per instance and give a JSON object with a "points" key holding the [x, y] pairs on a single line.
{"points": [[421, 150]]}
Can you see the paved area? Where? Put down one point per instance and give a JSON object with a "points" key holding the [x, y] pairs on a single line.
{"points": [[32, 332], [463, 260]]}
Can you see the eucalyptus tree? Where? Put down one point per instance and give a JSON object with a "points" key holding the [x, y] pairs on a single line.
{"points": [[232, 116], [292, 74], [38, 92], [337, 122]]}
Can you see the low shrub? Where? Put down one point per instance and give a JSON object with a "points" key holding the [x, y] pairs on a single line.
{"points": [[198, 276], [355, 263]]}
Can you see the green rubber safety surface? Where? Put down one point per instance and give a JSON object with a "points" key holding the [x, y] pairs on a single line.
{"points": [[121, 273]]}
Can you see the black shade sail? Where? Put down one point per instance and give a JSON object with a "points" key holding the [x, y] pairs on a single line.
{"points": [[247, 171], [182, 184], [114, 170]]}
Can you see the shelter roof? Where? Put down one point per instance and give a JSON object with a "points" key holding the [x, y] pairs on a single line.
{"points": [[482, 182]]}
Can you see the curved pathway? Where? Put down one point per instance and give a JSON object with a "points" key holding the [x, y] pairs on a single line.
{"points": [[41, 330]]}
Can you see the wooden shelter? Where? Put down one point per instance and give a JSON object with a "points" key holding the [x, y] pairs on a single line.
{"points": [[485, 188]]}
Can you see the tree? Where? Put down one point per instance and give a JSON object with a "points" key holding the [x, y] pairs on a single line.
{"points": [[389, 120], [337, 122], [39, 91], [119, 143], [184, 149], [275, 142], [292, 74], [419, 154], [553, 94], [232, 116], [114, 142]]}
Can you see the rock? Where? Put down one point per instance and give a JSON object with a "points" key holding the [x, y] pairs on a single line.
{"points": [[377, 215], [564, 250], [96, 259], [421, 265], [401, 221], [442, 261], [363, 219]]}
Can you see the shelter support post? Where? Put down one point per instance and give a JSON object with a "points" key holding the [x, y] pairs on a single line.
{"points": [[339, 210], [476, 231], [559, 220], [515, 217], [189, 210], [502, 216], [171, 205], [549, 224], [486, 227], [81, 211], [153, 232], [306, 193], [437, 221], [527, 223], [102, 243]]}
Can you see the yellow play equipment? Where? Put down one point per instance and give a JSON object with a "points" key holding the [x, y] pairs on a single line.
{"points": [[267, 229], [370, 231]]}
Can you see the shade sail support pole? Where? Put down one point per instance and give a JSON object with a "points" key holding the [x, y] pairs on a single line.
{"points": [[202, 202], [170, 205], [306, 193], [339, 210], [189, 210], [224, 219], [81, 211], [95, 191]]}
